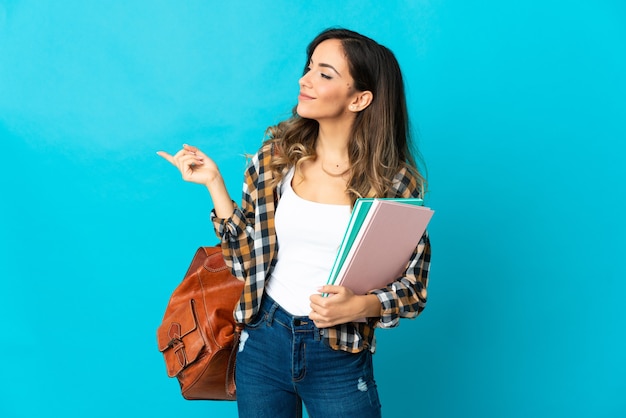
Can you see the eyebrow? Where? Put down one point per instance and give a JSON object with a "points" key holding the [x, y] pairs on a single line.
{"points": [[321, 64]]}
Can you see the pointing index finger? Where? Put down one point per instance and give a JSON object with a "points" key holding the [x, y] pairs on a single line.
{"points": [[167, 156]]}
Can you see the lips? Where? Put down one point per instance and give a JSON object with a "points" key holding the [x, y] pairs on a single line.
{"points": [[303, 96]]}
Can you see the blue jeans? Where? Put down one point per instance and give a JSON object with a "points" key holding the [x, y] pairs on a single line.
{"points": [[282, 360]]}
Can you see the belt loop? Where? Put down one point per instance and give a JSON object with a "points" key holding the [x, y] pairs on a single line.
{"points": [[317, 333]]}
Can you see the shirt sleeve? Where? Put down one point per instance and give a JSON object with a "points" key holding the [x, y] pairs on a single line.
{"points": [[236, 233], [406, 296]]}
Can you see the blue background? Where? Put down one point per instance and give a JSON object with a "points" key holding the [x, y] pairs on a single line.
{"points": [[520, 108]]}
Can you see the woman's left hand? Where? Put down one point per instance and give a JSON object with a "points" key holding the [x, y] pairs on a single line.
{"points": [[341, 306]]}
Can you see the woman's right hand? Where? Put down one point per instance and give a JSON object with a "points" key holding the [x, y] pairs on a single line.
{"points": [[193, 164]]}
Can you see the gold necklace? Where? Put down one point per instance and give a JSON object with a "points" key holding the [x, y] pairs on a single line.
{"points": [[334, 174]]}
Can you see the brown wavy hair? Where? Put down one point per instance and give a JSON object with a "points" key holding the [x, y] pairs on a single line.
{"points": [[380, 144]]}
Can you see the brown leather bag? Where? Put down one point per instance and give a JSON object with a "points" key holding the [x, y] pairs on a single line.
{"points": [[198, 335]]}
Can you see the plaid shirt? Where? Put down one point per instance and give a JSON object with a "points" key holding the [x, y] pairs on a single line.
{"points": [[249, 245]]}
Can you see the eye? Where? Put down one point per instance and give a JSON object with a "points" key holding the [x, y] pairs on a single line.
{"points": [[327, 77]]}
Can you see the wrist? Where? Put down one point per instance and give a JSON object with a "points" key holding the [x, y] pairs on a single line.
{"points": [[370, 306], [214, 183]]}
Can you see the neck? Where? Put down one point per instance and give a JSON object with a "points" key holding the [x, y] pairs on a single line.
{"points": [[332, 146], [333, 139], [332, 150], [332, 155]]}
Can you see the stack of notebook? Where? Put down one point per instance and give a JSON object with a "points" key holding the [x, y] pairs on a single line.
{"points": [[381, 236]]}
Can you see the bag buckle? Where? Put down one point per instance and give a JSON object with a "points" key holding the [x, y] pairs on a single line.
{"points": [[177, 345]]}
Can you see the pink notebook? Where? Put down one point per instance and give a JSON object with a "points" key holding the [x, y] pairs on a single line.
{"points": [[382, 248]]}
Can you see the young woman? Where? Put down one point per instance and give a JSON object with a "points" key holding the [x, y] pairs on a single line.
{"points": [[348, 137]]}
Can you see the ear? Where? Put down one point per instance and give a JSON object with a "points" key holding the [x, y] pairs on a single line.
{"points": [[361, 100]]}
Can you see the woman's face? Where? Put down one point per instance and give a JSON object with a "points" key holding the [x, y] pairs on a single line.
{"points": [[326, 90]]}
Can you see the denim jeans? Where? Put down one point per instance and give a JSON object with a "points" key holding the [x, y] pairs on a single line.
{"points": [[282, 360]]}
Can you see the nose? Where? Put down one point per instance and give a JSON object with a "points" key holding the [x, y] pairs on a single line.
{"points": [[305, 80]]}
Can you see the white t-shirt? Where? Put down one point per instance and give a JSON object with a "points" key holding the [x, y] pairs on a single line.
{"points": [[309, 235]]}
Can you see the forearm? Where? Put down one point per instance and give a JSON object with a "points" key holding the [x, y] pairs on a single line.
{"points": [[222, 203]]}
